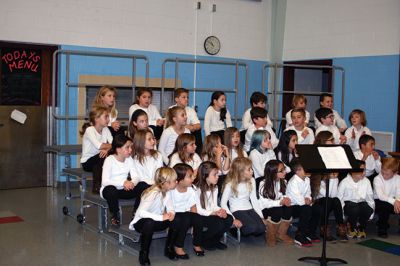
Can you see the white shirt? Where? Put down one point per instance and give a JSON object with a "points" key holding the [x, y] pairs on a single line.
{"points": [[152, 205], [167, 142], [151, 110], [333, 188], [387, 190], [337, 120], [191, 114], [92, 140], [211, 204], [298, 189], [183, 201], [289, 118], [234, 154], [265, 202], [259, 160], [115, 173], [246, 120], [353, 143], [309, 139], [333, 129], [371, 165], [360, 191], [244, 200], [145, 172], [212, 121], [113, 118], [250, 132], [194, 163]]}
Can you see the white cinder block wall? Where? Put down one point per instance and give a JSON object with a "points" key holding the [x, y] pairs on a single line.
{"points": [[172, 26], [341, 28]]}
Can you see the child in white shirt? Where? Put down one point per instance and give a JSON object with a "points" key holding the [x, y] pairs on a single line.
{"points": [[257, 99], [217, 117], [369, 156], [326, 101], [232, 142], [305, 135], [299, 102], [358, 121], [260, 152], [185, 152], [326, 117]]}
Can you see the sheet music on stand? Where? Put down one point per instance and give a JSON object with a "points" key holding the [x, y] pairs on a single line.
{"points": [[334, 157]]}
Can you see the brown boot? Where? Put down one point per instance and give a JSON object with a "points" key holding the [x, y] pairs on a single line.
{"points": [[270, 234], [282, 232], [342, 232]]}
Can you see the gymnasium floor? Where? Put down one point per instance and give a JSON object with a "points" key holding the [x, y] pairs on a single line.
{"points": [[47, 237]]}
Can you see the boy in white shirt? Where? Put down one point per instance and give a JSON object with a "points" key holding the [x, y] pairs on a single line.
{"points": [[355, 194], [299, 192], [257, 99], [299, 102], [387, 194], [369, 156], [326, 101], [326, 117], [259, 116], [305, 135]]}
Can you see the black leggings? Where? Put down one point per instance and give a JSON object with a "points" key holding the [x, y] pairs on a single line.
{"points": [[303, 212], [278, 213], [146, 227], [216, 227], [181, 224], [95, 165], [357, 212], [318, 212], [383, 209]]}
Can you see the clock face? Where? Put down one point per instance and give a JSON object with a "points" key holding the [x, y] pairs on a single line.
{"points": [[212, 45]]}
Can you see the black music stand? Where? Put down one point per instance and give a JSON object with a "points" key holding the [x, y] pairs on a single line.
{"points": [[312, 162]]}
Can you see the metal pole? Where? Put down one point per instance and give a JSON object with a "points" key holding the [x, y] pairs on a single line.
{"points": [[67, 100], [236, 90]]}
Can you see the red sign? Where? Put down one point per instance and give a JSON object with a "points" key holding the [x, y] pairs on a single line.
{"points": [[22, 59]]}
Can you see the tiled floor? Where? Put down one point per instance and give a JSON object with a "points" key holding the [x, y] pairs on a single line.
{"points": [[47, 237]]}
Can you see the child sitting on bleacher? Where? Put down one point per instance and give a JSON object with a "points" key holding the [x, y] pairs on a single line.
{"points": [[326, 117], [96, 142], [368, 154], [217, 117], [305, 135], [257, 99], [326, 101], [259, 116], [143, 101], [358, 128], [299, 102], [116, 180], [232, 142], [185, 152], [138, 121]]}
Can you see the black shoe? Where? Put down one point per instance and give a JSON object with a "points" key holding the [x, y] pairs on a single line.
{"points": [[199, 253], [221, 246], [144, 258], [182, 257], [302, 241], [210, 248], [382, 234], [170, 254]]}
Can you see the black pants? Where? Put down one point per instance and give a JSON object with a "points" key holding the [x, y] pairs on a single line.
{"points": [[251, 221], [303, 212], [278, 213], [112, 195], [95, 165], [383, 209], [318, 212], [198, 140], [220, 184], [158, 130], [120, 131], [181, 224], [216, 227], [357, 212], [146, 227]]}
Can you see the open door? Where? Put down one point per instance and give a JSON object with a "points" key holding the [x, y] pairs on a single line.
{"points": [[25, 83]]}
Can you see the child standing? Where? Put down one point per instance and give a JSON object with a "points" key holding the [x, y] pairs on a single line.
{"points": [[299, 192], [105, 97], [369, 156], [355, 194], [115, 183], [326, 101], [96, 142], [240, 192], [299, 102], [326, 117], [217, 117], [138, 121], [259, 118], [387, 194], [232, 142], [358, 121], [146, 160], [175, 126], [260, 152], [185, 152], [155, 211], [275, 205], [305, 135], [143, 101], [184, 201], [213, 217], [193, 123], [257, 99]]}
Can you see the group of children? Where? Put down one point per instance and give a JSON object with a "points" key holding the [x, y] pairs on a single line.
{"points": [[180, 182]]}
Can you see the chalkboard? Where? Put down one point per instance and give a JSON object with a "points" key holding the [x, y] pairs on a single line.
{"points": [[21, 73]]}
